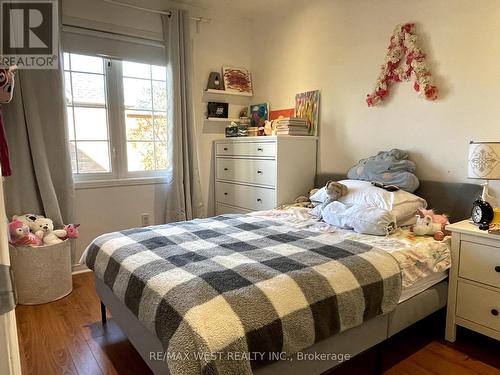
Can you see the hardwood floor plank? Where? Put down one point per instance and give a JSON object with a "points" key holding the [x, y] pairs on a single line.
{"points": [[407, 368], [465, 360], [439, 365]]}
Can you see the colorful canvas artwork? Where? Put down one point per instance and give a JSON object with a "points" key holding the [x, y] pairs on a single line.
{"points": [[259, 114], [237, 80], [307, 106], [274, 115]]}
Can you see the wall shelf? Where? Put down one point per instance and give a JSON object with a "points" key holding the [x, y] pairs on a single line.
{"points": [[219, 119], [230, 93]]}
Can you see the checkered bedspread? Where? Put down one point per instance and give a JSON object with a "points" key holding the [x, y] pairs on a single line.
{"points": [[226, 294]]}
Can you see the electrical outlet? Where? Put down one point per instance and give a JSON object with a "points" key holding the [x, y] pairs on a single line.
{"points": [[146, 219]]}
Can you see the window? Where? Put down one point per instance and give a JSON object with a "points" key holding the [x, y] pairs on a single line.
{"points": [[117, 119], [145, 102]]}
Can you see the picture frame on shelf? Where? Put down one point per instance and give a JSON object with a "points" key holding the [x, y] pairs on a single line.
{"points": [[237, 80], [217, 110]]}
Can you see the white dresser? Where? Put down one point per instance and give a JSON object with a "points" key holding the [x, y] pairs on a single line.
{"points": [[260, 173], [474, 286]]}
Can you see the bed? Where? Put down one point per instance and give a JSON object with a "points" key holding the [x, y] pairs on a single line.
{"points": [[396, 311]]}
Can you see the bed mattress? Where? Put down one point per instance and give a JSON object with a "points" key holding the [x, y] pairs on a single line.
{"points": [[421, 285]]}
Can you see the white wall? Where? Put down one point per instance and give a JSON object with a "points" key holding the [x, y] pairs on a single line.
{"points": [[226, 40], [337, 46]]}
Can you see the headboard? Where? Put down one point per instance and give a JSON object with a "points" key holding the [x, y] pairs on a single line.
{"points": [[453, 199]]}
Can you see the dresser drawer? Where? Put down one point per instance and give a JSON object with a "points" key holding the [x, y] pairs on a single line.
{"points": [[222, 209], [262, 172], [480, 263], [479, 305], [249, 197], [267, 149]]}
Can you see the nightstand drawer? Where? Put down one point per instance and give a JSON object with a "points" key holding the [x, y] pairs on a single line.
{"points": [[479, 305], [267, 149], [480, 263], [252, 171]]}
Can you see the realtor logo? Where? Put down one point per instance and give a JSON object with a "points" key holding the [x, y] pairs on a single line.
{"points": [[29, 34]]}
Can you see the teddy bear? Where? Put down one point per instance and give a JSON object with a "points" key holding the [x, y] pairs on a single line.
{"points": [[334, 190], [44, 229], [20, 234], [430, 223]]}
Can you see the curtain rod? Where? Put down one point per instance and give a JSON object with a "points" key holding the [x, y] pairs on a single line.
{"points": [[167, 13]]}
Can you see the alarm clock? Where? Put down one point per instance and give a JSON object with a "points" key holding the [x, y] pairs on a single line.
{"points": [[482, 213]]}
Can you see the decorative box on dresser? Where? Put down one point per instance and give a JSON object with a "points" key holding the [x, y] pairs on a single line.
{"points": [[474, 285], [260, 173]]}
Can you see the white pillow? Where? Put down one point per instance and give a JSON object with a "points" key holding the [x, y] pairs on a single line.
{"points": [[361, 219], [401, 203]]}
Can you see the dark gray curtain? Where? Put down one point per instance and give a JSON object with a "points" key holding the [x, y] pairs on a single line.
{"points": [[35, 123], [184, 199]]}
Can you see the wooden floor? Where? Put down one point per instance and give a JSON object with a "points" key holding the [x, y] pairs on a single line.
{"points": [[66, 337]]}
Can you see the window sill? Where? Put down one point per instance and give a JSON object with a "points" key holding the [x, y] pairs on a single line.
{"points": [[96, 184]]}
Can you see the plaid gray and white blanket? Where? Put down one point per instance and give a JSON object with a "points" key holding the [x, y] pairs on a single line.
{"points": [[230, 293]]}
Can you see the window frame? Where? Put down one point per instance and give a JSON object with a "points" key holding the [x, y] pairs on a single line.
{"points": [[116, 128]]}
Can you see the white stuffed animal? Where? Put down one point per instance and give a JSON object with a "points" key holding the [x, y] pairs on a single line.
{"points": [[44, 229], [28, 220], [426, 226]]}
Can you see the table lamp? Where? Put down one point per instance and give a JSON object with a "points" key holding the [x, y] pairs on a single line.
{"points": [[484, 164]]}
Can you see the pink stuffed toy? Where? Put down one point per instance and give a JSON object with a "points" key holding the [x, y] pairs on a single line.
{"points": [[428, 222], [20, 234], [71, 231]]}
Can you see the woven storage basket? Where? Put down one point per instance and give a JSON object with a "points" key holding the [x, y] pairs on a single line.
{"points": [[41, 274]]}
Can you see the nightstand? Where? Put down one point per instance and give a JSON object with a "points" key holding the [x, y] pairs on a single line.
{"points": [[474, 285]]}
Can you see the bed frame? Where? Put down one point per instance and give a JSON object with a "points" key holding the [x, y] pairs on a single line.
{"points": [[452, 198]]}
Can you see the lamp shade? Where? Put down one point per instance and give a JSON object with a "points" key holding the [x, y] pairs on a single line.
{"points": [[484, 160]]}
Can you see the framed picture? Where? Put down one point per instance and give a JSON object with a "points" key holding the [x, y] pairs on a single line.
{"points": [[307, 106], [259, 114], [237, 80], [219, 110], [284, 113]]}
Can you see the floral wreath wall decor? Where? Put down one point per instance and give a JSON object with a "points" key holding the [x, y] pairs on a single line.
{"points": [[403, 62]]}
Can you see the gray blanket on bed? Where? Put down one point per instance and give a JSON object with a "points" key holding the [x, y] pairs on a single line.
{"points": [[231, 293]]}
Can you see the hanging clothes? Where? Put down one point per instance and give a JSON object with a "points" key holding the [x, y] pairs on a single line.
{"points": [[4, 150]]}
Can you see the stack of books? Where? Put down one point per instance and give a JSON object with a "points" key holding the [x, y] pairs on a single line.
{"points": [[292, 126]]}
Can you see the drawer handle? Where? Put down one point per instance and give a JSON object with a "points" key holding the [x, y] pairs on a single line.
{"points": [[225, 193], [225, 148], [259, 200], [494, 312], [497, 268], [259, 172], [226, 169], [260, 149]]}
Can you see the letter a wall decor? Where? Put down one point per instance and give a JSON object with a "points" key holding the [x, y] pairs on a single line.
{"points": [[403, 62]]}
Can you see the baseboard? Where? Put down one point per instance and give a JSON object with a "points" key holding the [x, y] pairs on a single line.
{"points": [[79, 268]]}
